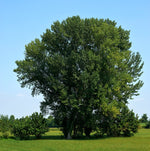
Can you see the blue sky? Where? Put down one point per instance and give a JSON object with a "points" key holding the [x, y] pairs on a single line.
{"points": [[24, 20]]}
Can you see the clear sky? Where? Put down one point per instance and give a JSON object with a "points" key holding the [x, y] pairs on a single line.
{"points": [[24, 20]]}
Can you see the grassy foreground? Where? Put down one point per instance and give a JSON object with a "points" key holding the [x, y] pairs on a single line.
{"points": [[53, 142]]}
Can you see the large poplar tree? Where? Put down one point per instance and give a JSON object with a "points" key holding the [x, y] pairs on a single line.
{"points": [[84, 69]]}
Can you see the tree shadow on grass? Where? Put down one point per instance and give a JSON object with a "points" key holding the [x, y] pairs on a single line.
{"points": [[61, 137], [53, 137]]}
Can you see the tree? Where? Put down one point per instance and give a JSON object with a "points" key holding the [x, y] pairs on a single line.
{"points": [[38, 125], [22, 128], [144, 118], [83, 68], [128, 122], [35, 124], [4, 125]]}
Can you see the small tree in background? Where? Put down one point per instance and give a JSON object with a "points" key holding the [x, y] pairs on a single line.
{"points": [[4, 126], [38, 124], [129, 122], [35, 124], [11, 122], [144, 118], [22, 128], [124, 123]]}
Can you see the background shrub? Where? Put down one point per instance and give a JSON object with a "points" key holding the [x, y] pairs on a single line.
{"points": [[22, 128], [35, 124], [126, 123]]}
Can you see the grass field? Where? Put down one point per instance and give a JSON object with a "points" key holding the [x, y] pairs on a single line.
{"points": [[52, 141]]}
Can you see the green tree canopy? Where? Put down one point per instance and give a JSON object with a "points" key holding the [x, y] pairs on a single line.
{"points": [[38, 124], [144, 118], [84, 68]]}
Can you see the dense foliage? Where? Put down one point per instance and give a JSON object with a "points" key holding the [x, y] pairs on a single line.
{"points": [[38, 125], [35, 124], [124, 124], [147, 124], [4, 125], [51, 122], [144, 118], [86, 72], [21, 128]]}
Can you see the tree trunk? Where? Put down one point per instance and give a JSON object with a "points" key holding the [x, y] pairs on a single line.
{"points": [[69, 136], [87, 131]]}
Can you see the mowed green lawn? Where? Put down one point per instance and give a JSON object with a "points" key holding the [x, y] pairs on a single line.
{"points": [[53, 142]]}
